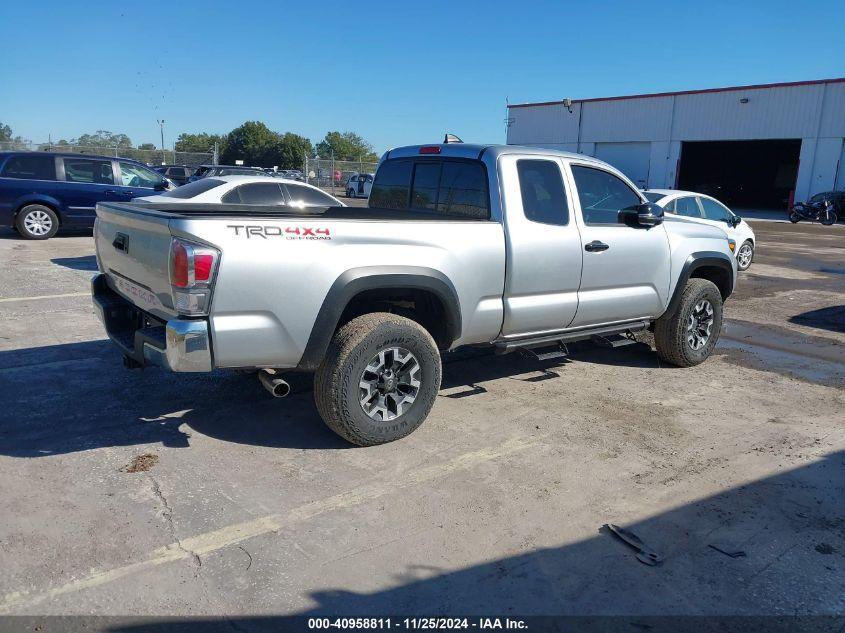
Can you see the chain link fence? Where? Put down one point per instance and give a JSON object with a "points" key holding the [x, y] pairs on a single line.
{"points": [[332, 175], [151, 157]]}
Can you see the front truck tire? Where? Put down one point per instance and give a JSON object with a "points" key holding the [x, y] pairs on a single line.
{"points": [[378, 379], [687, 336]]}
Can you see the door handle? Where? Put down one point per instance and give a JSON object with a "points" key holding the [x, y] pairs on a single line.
{"points": [[595, 247], [110, 191]]}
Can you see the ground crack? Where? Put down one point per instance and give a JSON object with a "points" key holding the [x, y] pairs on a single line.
{"points": [[167, 512]]}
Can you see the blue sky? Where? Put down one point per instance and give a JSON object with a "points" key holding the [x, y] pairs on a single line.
{"points": [[396, 72]]}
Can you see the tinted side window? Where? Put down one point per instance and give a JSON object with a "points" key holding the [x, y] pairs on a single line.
{"points": [[88, 170], [669, 207], [309, 197], [33, 167], [261, 193], [132, 175], [425, 186], [687, 207], [602, 195], [393, 180], [463, 190], [543, 196], [713, 210]]}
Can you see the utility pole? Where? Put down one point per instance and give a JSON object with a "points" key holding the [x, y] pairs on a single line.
{"points": [[161, 127], [216, 156]]}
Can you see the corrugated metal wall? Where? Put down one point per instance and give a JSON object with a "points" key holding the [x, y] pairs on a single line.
{"points": [[814, 113]]}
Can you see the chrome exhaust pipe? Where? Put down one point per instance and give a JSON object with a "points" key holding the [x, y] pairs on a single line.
{"points": [[276, 386]]}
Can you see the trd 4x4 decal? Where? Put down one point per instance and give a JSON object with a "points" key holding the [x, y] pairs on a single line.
{"points": [[292, 232]]}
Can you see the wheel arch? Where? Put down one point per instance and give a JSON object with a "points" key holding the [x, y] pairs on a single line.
{"points": [[711, 265], [46, 201], [362, 290]]}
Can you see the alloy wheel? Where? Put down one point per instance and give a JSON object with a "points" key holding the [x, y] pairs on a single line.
{"points": [[743, 257], [699, 325], [38, 222], [389, 384]]}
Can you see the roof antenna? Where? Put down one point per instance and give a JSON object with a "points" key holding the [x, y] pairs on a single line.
{"points": [[451, 138]]}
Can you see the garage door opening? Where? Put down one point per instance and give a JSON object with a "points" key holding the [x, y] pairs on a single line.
{"points": [[749, 174]]}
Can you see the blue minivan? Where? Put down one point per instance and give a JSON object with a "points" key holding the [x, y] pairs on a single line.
{"points": [[43, 191]]}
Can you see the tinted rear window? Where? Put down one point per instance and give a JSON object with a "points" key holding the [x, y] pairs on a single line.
{"points": [[448, 187], [193, 188], [34, 167]]}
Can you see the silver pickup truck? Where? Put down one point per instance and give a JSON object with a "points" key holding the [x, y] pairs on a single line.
{"points": [[504, 246]]}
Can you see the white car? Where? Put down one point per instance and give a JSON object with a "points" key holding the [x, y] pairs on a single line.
{"points": [[246, 190], [710, 211], [359, 185]]}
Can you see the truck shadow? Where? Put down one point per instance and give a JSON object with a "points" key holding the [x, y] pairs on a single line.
{"points": [[86, 262], [831, 318], [77, 397], [785, 532]]}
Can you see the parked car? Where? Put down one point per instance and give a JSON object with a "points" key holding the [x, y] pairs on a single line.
{"points": [[245, 190], [710, 211], [359, 185], [206, 171], [43, 191], [290, 174], [178, 174], [461, 245]]}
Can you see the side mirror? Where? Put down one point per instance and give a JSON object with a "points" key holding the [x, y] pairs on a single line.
{"points": [[649, 214], [735, 221], [161, 185]]}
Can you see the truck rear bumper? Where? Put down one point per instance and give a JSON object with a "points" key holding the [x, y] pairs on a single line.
{"points": [[180, 345]]}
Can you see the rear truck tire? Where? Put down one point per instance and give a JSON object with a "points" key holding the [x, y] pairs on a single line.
{"points": [[378, 379], [37, 222], [687, 336], [745, 255]]}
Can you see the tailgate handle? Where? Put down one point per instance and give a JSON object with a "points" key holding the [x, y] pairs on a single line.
{"points": [[121, 242]]}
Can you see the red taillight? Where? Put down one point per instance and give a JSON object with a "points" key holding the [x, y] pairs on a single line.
{"points": [[190, 265], [430, 149], [202, 266], [179, 265]]}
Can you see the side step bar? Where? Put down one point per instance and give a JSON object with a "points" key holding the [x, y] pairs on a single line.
{"points": [[561, 338]]}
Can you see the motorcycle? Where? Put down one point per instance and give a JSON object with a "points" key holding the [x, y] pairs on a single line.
{"points": [[821, 211]]}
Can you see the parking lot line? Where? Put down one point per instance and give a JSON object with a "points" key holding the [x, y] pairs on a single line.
{"points": [[61, 296], [214, 540]]}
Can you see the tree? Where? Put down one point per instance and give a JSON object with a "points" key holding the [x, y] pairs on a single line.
{"points": [[102, 138], [202, 142], [147, 146], [291, 149], [5, 133], [346, 146], [253, 143]]}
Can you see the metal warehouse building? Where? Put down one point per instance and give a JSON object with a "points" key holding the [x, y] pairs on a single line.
{"points": [[751, 146]]}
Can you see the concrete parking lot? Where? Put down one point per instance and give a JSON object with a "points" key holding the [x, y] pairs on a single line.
{"points": [[142, 492]]}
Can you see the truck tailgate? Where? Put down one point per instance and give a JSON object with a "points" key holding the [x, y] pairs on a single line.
{"points": [[133, 249]]}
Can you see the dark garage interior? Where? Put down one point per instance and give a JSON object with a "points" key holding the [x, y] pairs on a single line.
{"points": [[750, 174]]}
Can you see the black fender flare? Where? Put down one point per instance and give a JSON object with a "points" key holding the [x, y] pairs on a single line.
{"points": [[357, 280], [699, 260]]}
